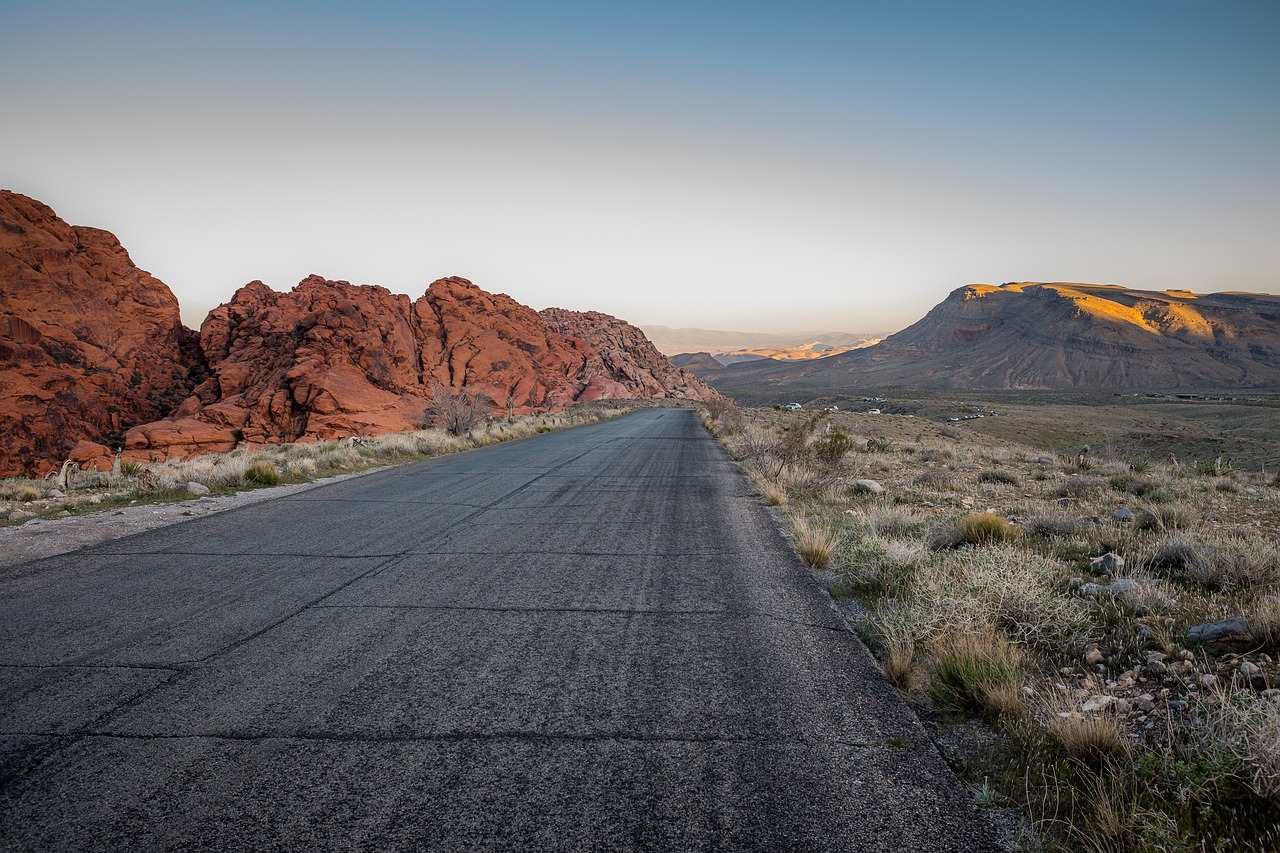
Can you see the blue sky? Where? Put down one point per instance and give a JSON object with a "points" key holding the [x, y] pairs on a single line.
{"points": [[759, 166]]}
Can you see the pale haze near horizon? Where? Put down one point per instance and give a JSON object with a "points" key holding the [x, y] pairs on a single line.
{"points": [[723, 166]]}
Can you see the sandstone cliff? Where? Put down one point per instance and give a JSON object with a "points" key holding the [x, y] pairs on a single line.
{"points": [[626, 357], [330, 358], [1060, 336], [90, 345]]}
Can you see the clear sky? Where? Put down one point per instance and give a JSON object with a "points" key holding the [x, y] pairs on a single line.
{"points": [[731, 165]]}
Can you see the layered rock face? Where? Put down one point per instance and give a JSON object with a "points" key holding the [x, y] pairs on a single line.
{"points": [[330, 358], [626, 358], [90, 345], [1062, 336]]}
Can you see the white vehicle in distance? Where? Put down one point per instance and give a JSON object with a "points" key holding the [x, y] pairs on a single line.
{"points": [[791, 406], [873, 411], [832, 408]]}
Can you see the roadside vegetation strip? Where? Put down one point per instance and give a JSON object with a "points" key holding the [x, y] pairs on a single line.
{"points": [[244, 468], [1103, 631]]}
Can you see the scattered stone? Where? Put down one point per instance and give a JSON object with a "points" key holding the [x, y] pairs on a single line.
{"points": [[57, 493], [1108, 564], [1177, 704], [1155, 669], [1208, 679], [1123, 706], [1116, 587], [1223, 629], [1075, 583], [64, 514], [1258, 682], [1248, 668], [1158, 657], [868, 486], [197, 489], [94, 499], [21, 515], [1122, 515], [1093, 656], [1097, 703]]}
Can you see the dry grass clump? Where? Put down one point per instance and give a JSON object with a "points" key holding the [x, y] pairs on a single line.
{"points": [[21, 489], [977, 673], [770, 492], [1247, 728], [1219, 563], [940, 479], [815, 541], [893, 521], [999, 477], [1263, 619], [985, 528], [1161, 518], [262, 472], [1077, 486], [1082, 735]]}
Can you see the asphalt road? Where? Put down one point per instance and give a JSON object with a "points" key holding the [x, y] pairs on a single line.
{"points": [[593, 639]]}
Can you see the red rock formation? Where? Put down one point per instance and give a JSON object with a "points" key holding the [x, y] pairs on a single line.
{"points": [[627, 359], [330, 358], [89, 344], [92, 353]]}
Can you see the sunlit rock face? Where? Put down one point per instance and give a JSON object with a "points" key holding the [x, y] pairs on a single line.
{"points": [[1065, 336], [94, 357], [330, 358], [628, 364], [90, 345]]}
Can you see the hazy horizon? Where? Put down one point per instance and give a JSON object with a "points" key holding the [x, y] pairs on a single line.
{"points": [[716, 166]]}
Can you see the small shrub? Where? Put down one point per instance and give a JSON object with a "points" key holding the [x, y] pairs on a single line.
{"points": [[262, 472], [977, 674], [985, 528], [129, 468], [879, 445], [1140, 465], [815, 541], [831, 449], [1000, 477]]}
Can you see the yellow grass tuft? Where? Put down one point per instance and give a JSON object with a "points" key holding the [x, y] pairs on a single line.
{"points": [[815, 541]]}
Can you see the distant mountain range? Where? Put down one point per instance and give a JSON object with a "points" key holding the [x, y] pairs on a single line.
{"points": [[1053, 336], [673, 341]]}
